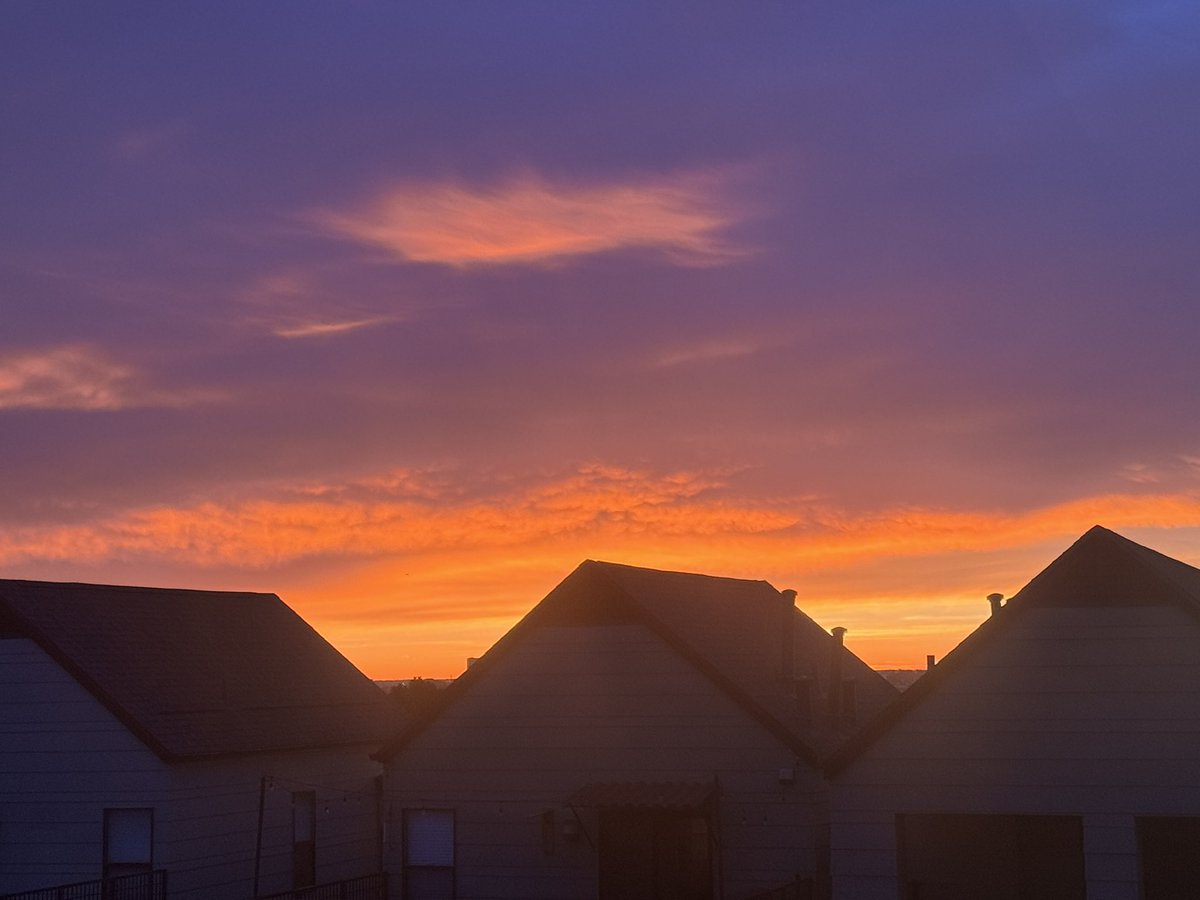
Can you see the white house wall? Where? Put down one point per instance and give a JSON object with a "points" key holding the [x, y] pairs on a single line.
{"points": [[1082, 712], [209, 836], [64, 759], [576, 704]]}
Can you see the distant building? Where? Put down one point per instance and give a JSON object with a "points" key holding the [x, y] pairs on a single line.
{"points": [[639, 734], [215, 736], [1054, 754]]}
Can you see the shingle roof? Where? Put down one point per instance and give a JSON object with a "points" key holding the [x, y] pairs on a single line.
{"points": [[1101, 569], [737, 625], [731, 629], [201, 673]]}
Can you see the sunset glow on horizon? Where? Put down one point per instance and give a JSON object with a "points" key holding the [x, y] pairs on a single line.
{"points": [[403, 311]]}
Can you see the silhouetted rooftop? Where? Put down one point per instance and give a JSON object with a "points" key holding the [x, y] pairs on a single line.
{"points": [[200, 673], [1101, 570], [733, 630]]}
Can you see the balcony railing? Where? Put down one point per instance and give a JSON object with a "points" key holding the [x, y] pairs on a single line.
{"points": [[368, 887], [142, 886], [800, 889]]}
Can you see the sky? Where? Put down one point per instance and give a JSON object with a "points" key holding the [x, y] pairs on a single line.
{"points": [[401, 310]]}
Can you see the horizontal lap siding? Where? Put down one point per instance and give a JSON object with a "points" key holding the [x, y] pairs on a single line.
{"points": [[211, 828], [1094, 713], [571, 705], [64, 758]]}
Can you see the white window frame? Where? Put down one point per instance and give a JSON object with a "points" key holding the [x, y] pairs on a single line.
{"points": [[128, 843]]}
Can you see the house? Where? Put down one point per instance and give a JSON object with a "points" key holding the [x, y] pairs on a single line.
{"points": [[1054, 754], [214, 736], [639, 734]]}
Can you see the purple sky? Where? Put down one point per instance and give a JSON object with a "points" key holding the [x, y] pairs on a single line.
{"points": [[402, 309]]}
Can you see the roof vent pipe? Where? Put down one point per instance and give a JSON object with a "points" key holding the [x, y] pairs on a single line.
{"points": [[787, 646], [835, 671], [995, 600]]}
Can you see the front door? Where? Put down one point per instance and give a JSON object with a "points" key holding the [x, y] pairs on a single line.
{"points": [[654, 854]]}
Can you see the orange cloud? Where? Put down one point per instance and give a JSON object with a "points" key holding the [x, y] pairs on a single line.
{"points": [[264, 533], [529, 221], [79, 377], [408, 557], [323, 329]]}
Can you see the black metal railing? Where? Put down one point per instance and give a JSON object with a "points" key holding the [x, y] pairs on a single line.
{"points": [[367, 887], [142, 886], [800, 889]]}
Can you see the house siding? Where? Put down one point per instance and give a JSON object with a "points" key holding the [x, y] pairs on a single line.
{"points": [[1083, 712], [64, 758], [594, 703], [210, 822]]}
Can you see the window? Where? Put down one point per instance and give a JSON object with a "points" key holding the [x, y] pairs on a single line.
{"points": [[304, 839], [428, 854], [128, 842]]}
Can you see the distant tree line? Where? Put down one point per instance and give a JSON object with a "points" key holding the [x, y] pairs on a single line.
{"points": [[416, 695]]}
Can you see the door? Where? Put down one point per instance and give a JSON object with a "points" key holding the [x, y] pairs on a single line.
{"points": [[654, 854]]}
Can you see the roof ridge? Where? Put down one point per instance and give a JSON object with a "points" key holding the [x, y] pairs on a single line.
{"points": [[139, 588], [617, 565]]}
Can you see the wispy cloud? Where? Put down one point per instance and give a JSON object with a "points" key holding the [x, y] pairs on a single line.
{"points": [[298, 303], [324, 329], [80, 377], [705, 351], [528, 220]]}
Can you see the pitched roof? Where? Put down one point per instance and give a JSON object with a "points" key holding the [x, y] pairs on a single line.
{"points": [[731, 629], [1101, 569], [200, 673]]}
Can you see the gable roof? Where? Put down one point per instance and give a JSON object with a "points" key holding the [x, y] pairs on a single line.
{"points": [[1102, 569], [200, 673], [732, 630]]}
